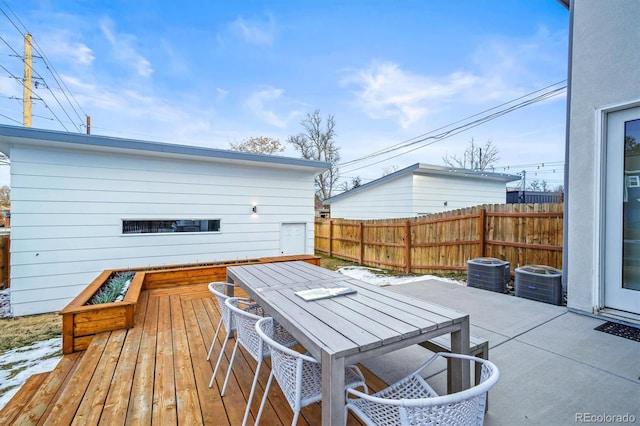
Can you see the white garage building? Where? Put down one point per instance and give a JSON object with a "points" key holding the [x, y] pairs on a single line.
{"points": [[421, 189], [81, 204]]}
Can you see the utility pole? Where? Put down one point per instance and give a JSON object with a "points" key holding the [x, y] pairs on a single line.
{"points": [[26, 101], [88, 124]]}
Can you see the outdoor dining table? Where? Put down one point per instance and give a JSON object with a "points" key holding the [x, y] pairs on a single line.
{"points": [[345, 329]]}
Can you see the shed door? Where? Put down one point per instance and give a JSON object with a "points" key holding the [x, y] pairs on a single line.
{"points": [[622, 212], [293, 238]]}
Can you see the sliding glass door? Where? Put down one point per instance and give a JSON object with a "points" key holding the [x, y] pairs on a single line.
{"points": [[622, 211]]}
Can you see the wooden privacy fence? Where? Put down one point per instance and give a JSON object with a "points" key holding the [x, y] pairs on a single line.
{"points": [[522, 234], [4, 261]]}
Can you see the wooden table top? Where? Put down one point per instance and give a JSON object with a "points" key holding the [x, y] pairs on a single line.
{"points": [[344, 325]]}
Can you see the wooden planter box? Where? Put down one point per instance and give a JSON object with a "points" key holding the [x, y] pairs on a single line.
{"points": [[80, 322]]}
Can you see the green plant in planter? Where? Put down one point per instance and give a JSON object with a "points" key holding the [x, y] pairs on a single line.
{"points": [[114, 288]]}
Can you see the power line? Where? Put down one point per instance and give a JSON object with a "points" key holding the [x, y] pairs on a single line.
{"points": [[11, 119], [42, 56], [425, 136], [49, 64], [24, 84], [455, 122], [459, 129]]}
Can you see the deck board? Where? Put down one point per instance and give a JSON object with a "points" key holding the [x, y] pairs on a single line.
{"points": [[21, 398], [157, 373]]}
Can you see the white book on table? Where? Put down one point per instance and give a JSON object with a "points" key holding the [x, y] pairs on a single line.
{"points": [[324, 292]]}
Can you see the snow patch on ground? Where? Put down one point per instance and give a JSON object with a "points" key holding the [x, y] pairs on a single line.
{"points": [[5, 303], [17, 365], [380, 278]]}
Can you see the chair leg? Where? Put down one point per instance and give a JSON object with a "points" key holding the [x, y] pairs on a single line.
{"points": [[264, 398], [253, 389], [346, 414], [295, 418], [215, 337], [215, 369], [226, 378]]}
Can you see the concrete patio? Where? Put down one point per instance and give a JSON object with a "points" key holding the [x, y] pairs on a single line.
{"points": [[555, 368]]}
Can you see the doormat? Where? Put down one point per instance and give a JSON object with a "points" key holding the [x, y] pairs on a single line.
{"points": [[621, 330]]}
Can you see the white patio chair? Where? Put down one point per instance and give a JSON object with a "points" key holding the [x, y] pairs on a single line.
{"points": [[411, 401], [218, 289], [245, 315], [299, 376]]}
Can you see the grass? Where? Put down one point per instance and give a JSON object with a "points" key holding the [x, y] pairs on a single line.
{"points": [[334, 263], [22, 331]]}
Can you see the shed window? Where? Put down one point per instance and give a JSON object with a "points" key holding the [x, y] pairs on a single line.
{"points": [[166, 226]]}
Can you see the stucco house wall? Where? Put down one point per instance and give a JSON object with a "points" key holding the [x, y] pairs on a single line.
{"points": [[71, 193], [420, 189], [603, 77]]}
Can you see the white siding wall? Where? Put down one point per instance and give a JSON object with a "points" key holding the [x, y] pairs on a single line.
{"points": [[67, 208], [410, 195], [604, 72], [430, 193], [389, 199]]}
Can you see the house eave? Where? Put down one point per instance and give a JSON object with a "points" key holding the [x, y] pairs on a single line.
{"points": [[21, 136], [429, 170]]}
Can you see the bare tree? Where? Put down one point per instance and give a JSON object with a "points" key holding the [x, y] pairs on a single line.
{"points": [[317, 143], [474, 157], [258, 145], [539, 185], [5, 196], [391, 169], [355, 183]]}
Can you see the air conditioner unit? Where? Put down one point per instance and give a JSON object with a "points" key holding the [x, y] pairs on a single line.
{"points": [[488, 273], [539, 282]]}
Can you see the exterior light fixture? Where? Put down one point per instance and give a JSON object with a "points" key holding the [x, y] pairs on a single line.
{"points": [[254, 209]]}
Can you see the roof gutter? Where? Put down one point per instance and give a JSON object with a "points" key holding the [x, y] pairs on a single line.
{"points": [[13, 135]]}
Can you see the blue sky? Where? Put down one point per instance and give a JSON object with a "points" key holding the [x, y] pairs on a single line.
{"points": [[208, 73]]}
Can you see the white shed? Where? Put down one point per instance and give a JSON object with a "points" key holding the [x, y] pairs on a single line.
{"points": [[420, 189], [81, 204]]}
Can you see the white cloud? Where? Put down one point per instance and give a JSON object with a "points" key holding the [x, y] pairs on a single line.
{"points": [[498, 70], [384, 90], [260, 103], [124, 50], [60, 44], [524, 60], [221, 94], [255, 32]]}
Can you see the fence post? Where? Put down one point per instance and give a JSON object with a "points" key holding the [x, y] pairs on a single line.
{"points": [[482, 225], [361, 243], [330, 238], [407, 247]]}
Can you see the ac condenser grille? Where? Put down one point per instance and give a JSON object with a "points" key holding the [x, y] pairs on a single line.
{"points": [[488, 273], [538, 282]]}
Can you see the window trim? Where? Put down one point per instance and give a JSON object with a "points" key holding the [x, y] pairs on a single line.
{"points": [[174, 222]]}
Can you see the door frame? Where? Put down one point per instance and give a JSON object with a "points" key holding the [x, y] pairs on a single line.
{"points": [[283, 224], [601, 132]]}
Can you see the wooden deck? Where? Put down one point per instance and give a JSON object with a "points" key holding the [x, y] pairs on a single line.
{"points": [[154, 373]]}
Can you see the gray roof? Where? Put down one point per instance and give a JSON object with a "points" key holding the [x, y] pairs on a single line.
{"points": [[10, 135], [430, 170]]}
